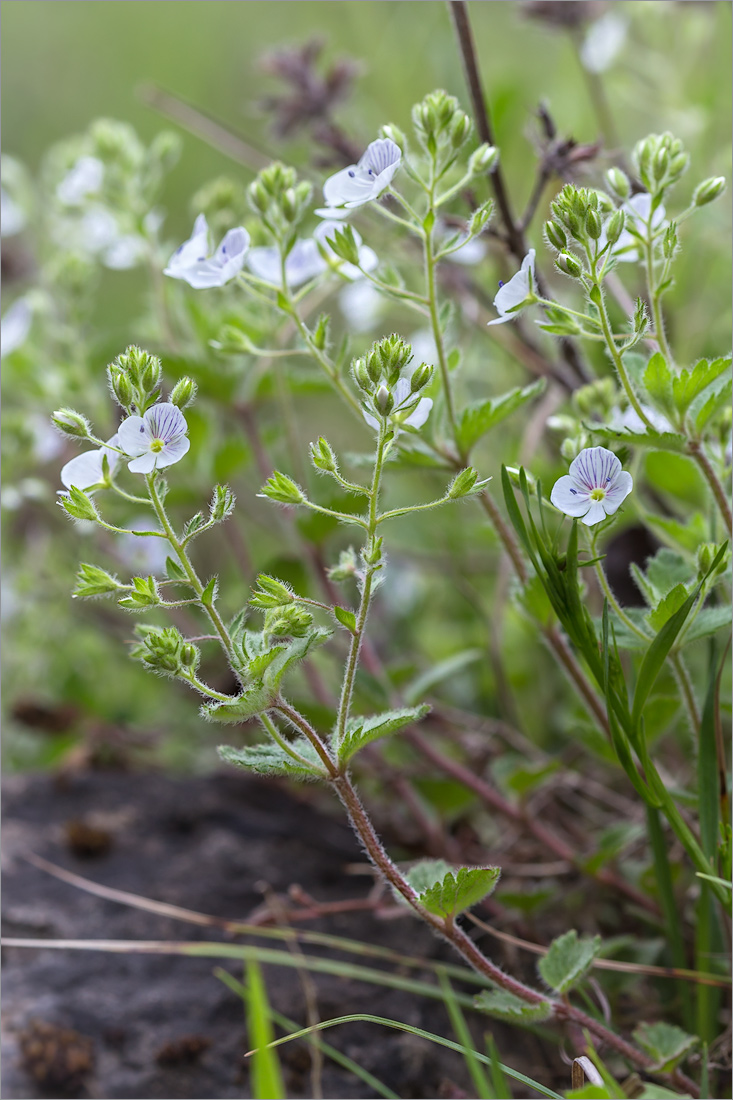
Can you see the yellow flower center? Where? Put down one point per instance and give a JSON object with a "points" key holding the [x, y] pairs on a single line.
{"points": [[597, 494], [157, 445]]}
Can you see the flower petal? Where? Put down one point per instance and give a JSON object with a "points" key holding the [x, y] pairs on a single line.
{"points": [[351, 185], [132, 437], [595, 513], [417, 418], [164, 421], [173, 451], [145, 464], [570, 497], [513, 293], [83, 471], [617, 492], [191, 252], [381, 156], [595, 468]]}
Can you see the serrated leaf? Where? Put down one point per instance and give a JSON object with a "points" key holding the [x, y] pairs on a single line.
{"points": [[658, 382], [667, 606], [690, 384], [568, 960], [362, 731], [248, 705], [459, 890], [295, 651], [714, 404], [667, 1044], [667, 569], [708, 621], [421, 876], [481, 416], [269, 759], [658, 441], [688, 535], [346, 618], [505, 1006]]}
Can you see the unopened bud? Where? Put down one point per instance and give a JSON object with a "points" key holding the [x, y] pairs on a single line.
{"points": [[484, 159], [383, 400], [72, 423], [660, 164], [462, 483], [183, 392], [420, 378], [618, 182], [258, 196], [555, 235], [460, 129], [393, 133], [121, 386], [190, 656], [568, 264], [593, 224], [709, 190], [361, 375], [322, 456], [615, 227], [78, 505]]}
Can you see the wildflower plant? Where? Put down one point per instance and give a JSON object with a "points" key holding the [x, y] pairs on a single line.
{"points": [[262, 284]]}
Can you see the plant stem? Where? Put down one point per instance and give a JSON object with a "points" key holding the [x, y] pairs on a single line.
{"points": [[434, 318], [694, 448], [617, 360]]}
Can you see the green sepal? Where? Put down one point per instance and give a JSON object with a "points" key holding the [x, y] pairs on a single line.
{"points": [[665, 1043], [505, 1006], [345, 617], [143, 595], [79, 505], [173, 571], [568, 960], [267, 758], [362, 731], [92, 581]]}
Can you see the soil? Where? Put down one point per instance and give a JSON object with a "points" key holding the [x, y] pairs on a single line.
{"points": [[95, 1024]]}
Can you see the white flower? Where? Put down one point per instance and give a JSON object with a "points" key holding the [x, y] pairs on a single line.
{"points": [[156, 439], [124, 252], [361, 304], [16, 324], [12, 216], [303, 262], [594, 488], [192, 262], [403, 397], [472, 251], [603, 41], [512, 294], [85, 471], [84, 179], [630, 421], [363, 182], [637, 210]]}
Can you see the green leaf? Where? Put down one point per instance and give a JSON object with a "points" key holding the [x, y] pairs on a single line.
{"points": [[690, 384], [714, 404], [505, 1006], [267, 758], [653, 1091], [568, 960], [295, 651], [248, 705], [346, 618], [667, 606], [481, 416], [173, 571], [658, 382], [444, 669], [362, 731], [665, 1043], [667, 569], [708, 621], [656, 655], [265, 1077], [687, 535], [658, 441], [421, 876], [458, 892]]}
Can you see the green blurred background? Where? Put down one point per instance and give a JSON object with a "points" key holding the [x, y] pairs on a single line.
{"points": [[67, 62]]}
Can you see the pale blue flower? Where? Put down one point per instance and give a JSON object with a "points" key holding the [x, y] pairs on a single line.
{"points": [[82, 180], [156, 439], [363, 182], [514, 293], [594, 487], [638, 211], [194, 265], [306, 261], [16, 324], [602, 42], [85, 471]]}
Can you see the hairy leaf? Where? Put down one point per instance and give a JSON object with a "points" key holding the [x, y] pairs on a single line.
{"points": [[362, 731], [568, 960], [505, 1006]]}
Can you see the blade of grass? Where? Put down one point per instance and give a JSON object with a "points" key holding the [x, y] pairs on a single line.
{"points": [[266, 1078], [484, 1091], [399, 1026], [669, 906], [331, 1052], [499, 1083]]}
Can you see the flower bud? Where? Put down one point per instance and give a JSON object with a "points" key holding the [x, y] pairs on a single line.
{"points": [[709, 190], [678, 165], [78, 505], [162, 650], [320, 332], [383, 400], [346, 567], [575, 225], [420, 378], [121, 386], [190, 656], [343, 244], [361, 375], [222, 503], [460, 128], [271, 593], [258, 197], [282, 489], [593, 224], [72, 423], [484, 159], [660, 164], [555, 235], [288, 622], [568, 264], [462, 483], [166, 148], [322, 456], [393, 133], [615, 227], [183, 392], [618, 182]]}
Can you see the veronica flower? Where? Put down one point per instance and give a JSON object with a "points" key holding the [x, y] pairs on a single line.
{"points": [[594, 488], [515, 293], [84, 179], [403, 396], [637, 210], [303, 262], [156, 439], [16, 324], [602, 43], [194, 265], [368, 259], [630, 421], [85, 471], [361, 304], [363, 182]]}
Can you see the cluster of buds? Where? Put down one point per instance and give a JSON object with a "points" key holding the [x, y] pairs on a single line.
{"points": [[223, 202], [583, 216], [596, 401], [440, 123], [132, 174], [660, 160], [166, 651], [280, 199], [287, 621], [134, 380], [388, 390]]}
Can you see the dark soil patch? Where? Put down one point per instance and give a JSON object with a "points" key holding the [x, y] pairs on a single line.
{"points": [[89, 1023]]}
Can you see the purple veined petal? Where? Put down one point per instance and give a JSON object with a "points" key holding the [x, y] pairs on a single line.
{"points": [[145, 464], [380, 156], [513, 293], [617, 492], [203, 276], [569, 496], [348, 184], [164, 421], [172, 452], [132, 437], [83, 471], [595, 468], [417, 418], [191, 252], [595, 513], [232, 248]]}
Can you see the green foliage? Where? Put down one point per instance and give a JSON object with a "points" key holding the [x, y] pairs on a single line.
{"points": [[505, 1006], [665, 1043], [690, 384], [568, 960], [362, 731], [481, 416], [459, 890], [270, 759], [92, 581], [266, 1078]]}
